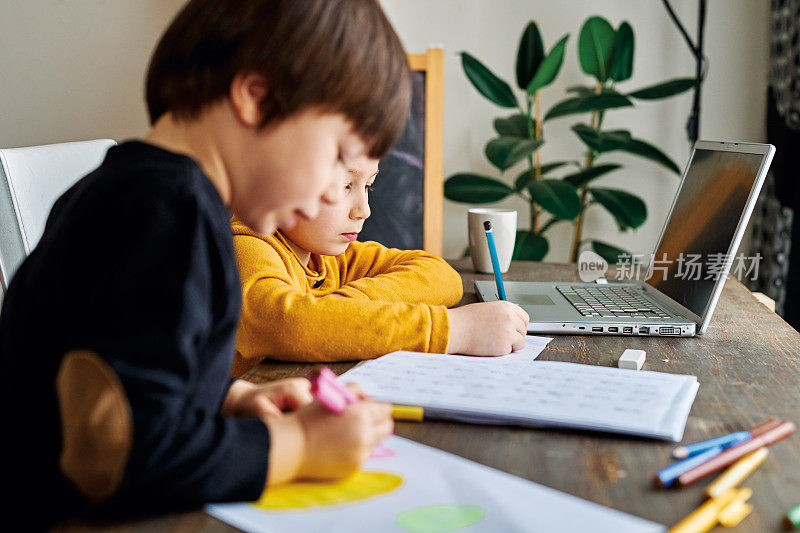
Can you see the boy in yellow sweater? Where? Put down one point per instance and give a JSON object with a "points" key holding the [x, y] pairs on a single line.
{"points": [[312, 292]]}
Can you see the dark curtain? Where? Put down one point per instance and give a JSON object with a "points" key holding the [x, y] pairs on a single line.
{"points": [[783, 130]]}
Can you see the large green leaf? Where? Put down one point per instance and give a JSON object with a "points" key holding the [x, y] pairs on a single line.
{"points": [[580, 90], [504, 152], [629, 210], [596, 48], [529, 246], [556, 164], [515, 126], [622, 68], [489, 85], [579, 179], [474, 189], [664, 89], [648, 151], [610, 253], [585, 104], [524, 180], [549, 68], [529, 55], [602, 141], [556, 196]]}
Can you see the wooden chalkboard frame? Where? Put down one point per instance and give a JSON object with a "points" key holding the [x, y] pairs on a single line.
{"points": [[432, 63]]}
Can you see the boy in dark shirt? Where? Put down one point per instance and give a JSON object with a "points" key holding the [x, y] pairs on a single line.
{"points": [[117, 333]]}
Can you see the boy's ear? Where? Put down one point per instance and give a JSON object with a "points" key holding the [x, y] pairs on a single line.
{"points": [[246, 94]]}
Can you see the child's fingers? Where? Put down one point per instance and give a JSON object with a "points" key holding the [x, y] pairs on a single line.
{"points": [[518, 310], [383, 431], [518, 344], [383, 410], [298, 390], [373, 413], [290, 394], [263, 407], [522, 313], [358, 391], [381, 421], [386, 426], [523, 323]]}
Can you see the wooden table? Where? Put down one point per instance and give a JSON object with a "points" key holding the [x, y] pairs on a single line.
{"points": [[748, 365]]}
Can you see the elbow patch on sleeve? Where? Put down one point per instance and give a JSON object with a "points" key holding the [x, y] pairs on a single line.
{"points": [[96, 424]]}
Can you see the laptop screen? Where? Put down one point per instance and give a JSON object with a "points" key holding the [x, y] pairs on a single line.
{"points": [[693, 250]]}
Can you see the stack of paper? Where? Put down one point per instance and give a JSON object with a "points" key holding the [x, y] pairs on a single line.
{"points": [[541, 393]]}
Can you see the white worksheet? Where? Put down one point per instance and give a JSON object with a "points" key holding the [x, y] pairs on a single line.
{"points": [[538, 393], [409, 487], [533, 347]]}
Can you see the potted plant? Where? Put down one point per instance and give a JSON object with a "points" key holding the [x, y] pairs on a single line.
{"points": [[606, 55]]}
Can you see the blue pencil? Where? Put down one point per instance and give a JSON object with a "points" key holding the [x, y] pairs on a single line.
{"points": [[498, 278], [668, 474], [726, 441]]}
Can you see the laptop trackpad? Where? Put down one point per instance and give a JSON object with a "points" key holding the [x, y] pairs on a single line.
{"points": [[531, 299]]}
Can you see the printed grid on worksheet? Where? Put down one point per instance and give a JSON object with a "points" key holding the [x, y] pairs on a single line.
{"points": [[540, 393]]}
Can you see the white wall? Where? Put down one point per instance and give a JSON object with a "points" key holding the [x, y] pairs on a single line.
{"points": [[74, 69], [733, 104]]}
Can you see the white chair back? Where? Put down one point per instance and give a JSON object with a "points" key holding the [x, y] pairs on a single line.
{"points": [[31, 180]]}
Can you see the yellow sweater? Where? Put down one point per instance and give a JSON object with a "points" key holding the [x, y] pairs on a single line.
{"points": [[367, 302]]}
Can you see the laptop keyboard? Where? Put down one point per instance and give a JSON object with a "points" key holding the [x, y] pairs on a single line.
{"points": [[611, 302]]}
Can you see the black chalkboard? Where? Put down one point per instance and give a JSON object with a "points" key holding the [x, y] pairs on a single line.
{"points": [[397, 203]]}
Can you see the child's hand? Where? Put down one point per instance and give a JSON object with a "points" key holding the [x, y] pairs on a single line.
{"points": [[491, 328], [313, 443], [247, 399]]}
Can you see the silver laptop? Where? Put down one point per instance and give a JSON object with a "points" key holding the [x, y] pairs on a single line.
{"points": [[686, 273]]}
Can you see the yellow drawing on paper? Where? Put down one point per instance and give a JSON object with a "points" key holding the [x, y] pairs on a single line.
{"points": [[308, 494]]}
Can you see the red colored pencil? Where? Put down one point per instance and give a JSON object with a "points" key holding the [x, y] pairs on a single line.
{"points": [[734, 453]]}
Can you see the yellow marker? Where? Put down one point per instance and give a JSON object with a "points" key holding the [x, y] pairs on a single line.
{"points": [[734, 513], [706, 516], [737, 472], [409, 413]]}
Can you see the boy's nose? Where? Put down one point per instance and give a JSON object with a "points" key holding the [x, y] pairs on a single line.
{"points": [[361, 210]]}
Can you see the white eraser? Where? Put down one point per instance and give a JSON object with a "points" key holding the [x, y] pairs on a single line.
{"points": [[632, 359]]}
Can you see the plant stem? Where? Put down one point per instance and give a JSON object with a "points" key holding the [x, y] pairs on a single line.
{"points": [[596, 120], [537, 157], [576, 235], [534, 209], [549, 223]]}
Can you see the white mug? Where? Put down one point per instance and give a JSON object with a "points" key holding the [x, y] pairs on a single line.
{"points": [[504, 230]]}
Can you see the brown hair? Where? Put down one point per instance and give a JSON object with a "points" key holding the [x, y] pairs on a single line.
{"points": [[342, 56]]}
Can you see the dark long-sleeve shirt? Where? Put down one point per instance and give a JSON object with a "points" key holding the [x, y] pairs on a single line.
{"points": [[136, 264]]}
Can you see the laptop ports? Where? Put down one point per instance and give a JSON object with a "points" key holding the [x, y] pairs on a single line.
{"points": [[667, 330], [613, 329], [627, 329], [597, 329], [644, 330]]}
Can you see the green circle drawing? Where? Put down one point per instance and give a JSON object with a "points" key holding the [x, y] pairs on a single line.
{"points": [[440, 518]]}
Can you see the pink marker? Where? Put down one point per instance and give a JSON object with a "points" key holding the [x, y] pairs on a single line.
{"points": [[329, 391]]}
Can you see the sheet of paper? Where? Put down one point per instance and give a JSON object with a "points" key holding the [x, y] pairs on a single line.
{"points": [[543, 393], [533, 347], [410, 487]]}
